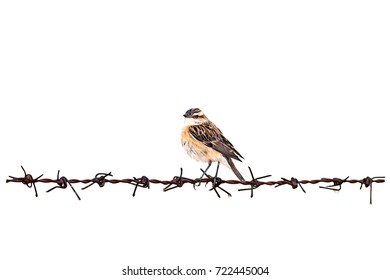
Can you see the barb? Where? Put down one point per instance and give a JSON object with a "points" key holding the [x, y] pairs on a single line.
{"points": [[217, 182], [177, 182], [367, 182], [293, 182], [27, 180], [101, 179], [63, 184], [142, 182], [254, 185], [336, 183]]}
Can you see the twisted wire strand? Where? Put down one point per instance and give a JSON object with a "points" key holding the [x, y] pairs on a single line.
{"points": [[101, 179]]}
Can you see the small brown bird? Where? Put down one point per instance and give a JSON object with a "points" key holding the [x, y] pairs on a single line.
{"points": [[203, 141]]}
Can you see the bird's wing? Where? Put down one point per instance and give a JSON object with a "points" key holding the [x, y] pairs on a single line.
{"points": [[212, 137]]}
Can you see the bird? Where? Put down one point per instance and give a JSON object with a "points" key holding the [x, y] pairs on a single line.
{"points": [[204, 141]]}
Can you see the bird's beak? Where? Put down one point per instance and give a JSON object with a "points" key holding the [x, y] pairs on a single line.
{"points": [[186, 115]]}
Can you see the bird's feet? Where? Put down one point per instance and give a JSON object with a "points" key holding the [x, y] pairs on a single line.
{"points": [[197, 183]]}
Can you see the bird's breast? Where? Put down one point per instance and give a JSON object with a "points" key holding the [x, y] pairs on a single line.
{"points": [[196, 149]]}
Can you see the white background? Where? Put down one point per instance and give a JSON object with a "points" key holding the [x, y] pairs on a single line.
{"points": [[298, 87]]}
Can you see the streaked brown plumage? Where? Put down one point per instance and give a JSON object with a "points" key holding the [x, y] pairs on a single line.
{"points": [[204, 141]]}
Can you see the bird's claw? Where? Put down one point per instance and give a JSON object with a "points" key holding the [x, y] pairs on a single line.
{"points": [[197, 183]]}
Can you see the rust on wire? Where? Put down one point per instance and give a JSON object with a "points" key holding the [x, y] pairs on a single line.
{"points": [[101, 179]]}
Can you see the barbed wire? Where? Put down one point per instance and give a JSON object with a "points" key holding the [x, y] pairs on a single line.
{"points": [[101, 179]]}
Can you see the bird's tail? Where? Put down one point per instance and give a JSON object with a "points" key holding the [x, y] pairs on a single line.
{"points": [[233, 167]]}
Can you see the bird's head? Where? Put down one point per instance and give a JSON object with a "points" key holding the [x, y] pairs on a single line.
{"points": [[195, 116]]}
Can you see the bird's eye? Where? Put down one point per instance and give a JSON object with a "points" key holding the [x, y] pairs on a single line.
{"points": [[196, 116]]}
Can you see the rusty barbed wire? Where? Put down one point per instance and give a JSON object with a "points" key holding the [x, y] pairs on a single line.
{"points": [[101, 179]]}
